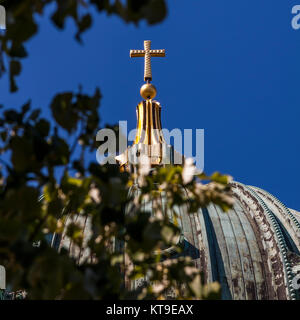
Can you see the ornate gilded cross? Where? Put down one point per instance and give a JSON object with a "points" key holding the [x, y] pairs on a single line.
{"points": [[147, 53]]}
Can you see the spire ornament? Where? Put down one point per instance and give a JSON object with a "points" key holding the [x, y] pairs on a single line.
{"points": [[149, 140]]}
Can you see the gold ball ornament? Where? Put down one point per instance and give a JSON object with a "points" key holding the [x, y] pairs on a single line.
{"points": [[148, 91]]}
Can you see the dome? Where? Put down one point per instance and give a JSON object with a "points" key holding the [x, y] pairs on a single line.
{"points": [[252, 250]]}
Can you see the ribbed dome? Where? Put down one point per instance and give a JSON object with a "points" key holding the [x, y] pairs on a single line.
{"points": [[252, 250]]}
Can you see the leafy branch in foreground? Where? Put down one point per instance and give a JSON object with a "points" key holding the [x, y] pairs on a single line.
{"points": [[42, 158]]}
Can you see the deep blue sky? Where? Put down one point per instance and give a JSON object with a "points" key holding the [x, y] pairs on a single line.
{"points": [[232, 68]]}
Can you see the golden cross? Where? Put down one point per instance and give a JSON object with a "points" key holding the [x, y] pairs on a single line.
{"points": [[147, 53]]}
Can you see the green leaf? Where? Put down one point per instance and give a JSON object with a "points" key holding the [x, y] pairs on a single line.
{"points": [[63, 112], [22, 153], [15, 70], [3, 135], [43, 127], [12, 116], [217, 177], [59, 153], [84, 24], [18, 50], [35, 114], [26, 108]]}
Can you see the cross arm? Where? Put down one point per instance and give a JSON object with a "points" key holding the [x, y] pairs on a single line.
{"points": [[158, 53], [137, 53]]}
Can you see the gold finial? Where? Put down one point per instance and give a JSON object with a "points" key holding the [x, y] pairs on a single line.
{"points": [[148, 91], [147, 53]]}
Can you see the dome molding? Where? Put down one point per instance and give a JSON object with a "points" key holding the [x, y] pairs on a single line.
{"points": [[272, 237], [286, 217]]}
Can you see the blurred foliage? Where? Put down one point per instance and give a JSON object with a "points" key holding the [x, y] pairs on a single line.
{"points": [[22, 24], [38, 158]]}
